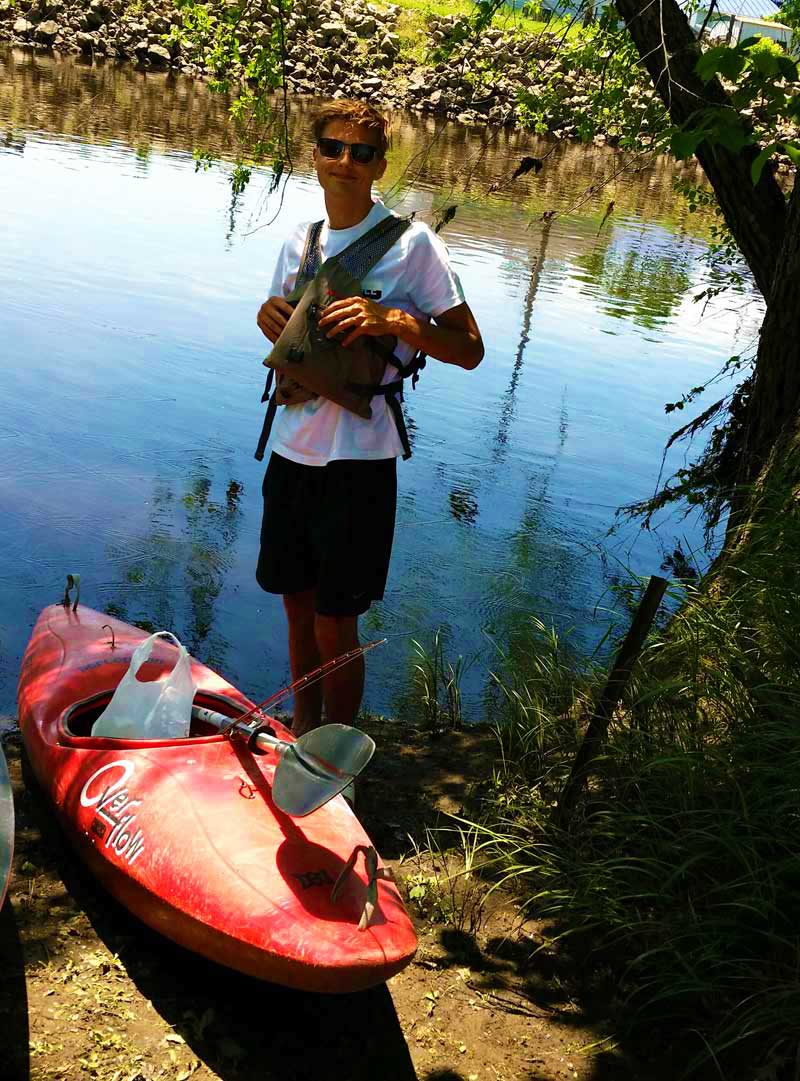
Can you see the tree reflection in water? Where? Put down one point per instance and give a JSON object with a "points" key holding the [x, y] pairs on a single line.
{"points": [[171, 577], [641, 284]]}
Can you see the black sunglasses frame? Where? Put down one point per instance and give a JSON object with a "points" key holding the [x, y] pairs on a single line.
{"points": [[360, 153]]}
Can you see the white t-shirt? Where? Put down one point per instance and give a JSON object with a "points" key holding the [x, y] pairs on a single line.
{"points": [[414, 275]]}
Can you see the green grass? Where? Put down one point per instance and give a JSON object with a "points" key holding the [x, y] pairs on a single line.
{"points": [[679, 872], [413, 20], [505, 18], [433, 695]]}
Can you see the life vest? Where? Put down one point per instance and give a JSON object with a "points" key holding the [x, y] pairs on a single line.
{"points": [[308, 364]]}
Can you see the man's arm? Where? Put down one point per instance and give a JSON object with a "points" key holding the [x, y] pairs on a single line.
{"points": [[454, 338]]}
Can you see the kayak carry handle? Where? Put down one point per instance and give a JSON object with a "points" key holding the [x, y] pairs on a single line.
{"points": [[73, 580]]}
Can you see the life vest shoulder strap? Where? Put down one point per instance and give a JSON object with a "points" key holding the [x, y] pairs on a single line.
{"points": [[269, 417], [357, 258], [368, 250], [311, 258]]}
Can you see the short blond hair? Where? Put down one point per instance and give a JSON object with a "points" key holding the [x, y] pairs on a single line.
{"points": [[352, 112]]}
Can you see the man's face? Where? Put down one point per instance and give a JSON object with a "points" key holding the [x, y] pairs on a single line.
{"points": [[343, 176]]}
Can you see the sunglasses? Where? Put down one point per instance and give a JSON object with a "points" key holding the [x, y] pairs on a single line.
{"points": [[361, 153]]}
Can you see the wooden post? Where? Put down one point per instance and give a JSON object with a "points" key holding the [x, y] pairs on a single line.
{"points": [[617, 680]]}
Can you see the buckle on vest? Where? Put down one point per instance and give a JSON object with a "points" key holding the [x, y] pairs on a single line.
{"points": [[317, 337]]}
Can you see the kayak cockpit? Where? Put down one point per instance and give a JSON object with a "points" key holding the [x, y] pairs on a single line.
{"points": [[75, 723]]}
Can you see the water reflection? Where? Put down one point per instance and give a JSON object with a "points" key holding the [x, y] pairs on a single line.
{"points": [[171, 576], [13, 143], [106, 103], [641, 283], [536, 563], [463, 504], [132, 376], [507, 407]]}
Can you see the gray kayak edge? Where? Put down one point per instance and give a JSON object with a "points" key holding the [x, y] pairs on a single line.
{"points": [[6, 826]]}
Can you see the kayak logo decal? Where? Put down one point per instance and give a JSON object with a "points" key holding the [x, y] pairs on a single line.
{"points": [[114, 807], [308, 879]]}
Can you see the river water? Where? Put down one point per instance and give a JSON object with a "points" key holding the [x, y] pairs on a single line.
{"points": [[131, 375]]}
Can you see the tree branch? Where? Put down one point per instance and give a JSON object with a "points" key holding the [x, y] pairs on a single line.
{"points": [[755, 214]]}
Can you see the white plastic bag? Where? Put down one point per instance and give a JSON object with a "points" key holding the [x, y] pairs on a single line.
{"points": [[160, 709]]}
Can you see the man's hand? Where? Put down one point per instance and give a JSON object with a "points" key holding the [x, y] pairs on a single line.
{"points": [[273, 315], [356, 317], [453, 337]]}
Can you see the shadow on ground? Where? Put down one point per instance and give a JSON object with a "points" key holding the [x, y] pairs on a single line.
{"points": [[490, 1004], [416, 781], [561, 991], [239, 1027], [13, 1000]]}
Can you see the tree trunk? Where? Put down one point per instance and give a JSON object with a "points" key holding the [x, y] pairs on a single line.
{"points": [[767, 454], [756, 215], [774, 405]]}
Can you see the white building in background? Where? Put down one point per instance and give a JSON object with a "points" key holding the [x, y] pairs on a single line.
{"points": [[735, 20], [732, 20]]}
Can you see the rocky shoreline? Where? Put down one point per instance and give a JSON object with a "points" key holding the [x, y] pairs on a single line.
{"points": [[335, 48]]}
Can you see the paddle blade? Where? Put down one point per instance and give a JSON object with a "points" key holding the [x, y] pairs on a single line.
{"points": [[336, 749], [319, 766], [6, 827]]}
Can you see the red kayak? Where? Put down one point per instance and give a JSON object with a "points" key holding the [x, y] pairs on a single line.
{"points": [[185, 833]]}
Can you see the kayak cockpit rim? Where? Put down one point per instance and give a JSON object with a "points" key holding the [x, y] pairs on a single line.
{"points": [[75, 723]]}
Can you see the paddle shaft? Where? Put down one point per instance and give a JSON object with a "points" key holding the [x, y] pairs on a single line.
{"points": [[312, 769], [266, 742], [238, 728]]}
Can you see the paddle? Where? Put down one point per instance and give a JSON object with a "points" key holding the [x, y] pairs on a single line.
{"points": [[319, 764], [6, 827], [312, 770]]}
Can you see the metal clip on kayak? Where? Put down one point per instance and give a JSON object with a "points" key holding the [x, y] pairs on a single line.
{"points": [[311, 770]]}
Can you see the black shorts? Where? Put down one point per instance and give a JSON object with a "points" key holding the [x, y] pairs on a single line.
{"points": [[328, 528]]}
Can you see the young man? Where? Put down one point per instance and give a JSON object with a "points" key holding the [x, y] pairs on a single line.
{"points": [[330, 486]]}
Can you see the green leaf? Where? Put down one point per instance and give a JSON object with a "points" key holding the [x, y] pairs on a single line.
{"points": [[757, 168], [732, 64], [788, 69], [708, 64], [765, 63], [730, 133], [793, 151], [720, 60], [684, 143]]}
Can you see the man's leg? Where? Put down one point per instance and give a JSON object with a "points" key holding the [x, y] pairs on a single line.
{"points": [[344, 688], [304, 657], [354, 525]]}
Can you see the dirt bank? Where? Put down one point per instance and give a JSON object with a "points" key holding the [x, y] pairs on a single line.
{"points": [[86, 992]]}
